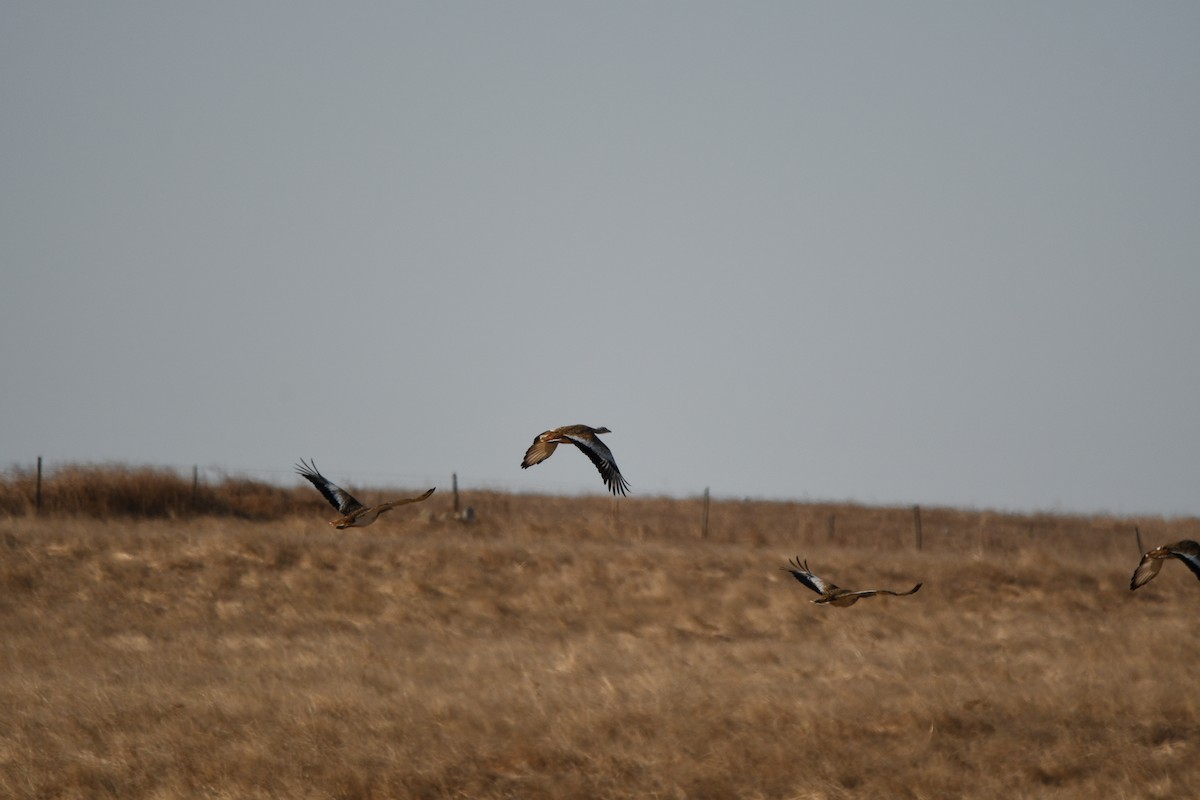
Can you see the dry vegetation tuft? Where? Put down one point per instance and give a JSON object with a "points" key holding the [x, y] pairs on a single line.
{"points": [[114, 490], [584, 647]]}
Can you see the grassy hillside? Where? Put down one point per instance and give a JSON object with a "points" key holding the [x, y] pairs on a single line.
{"points": [[581, 647]]}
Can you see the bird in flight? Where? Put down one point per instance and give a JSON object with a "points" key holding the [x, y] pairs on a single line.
{"points": [[585, 439], [829, 592], [354, 513], [1186, 551]]}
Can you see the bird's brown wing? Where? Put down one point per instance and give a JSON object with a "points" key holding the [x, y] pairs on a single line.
{"points": [[407, 500], [599, 454], [538, 452], [338, 497], [913, 590], [1147, 568]]}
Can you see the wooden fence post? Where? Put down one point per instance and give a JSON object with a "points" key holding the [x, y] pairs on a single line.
{"points": [[37, 493], [195, 484], [454, 484], [917, 524], [704, 526]]}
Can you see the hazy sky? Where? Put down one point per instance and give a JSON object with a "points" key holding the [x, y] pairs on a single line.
{"points": [[936, 253]]}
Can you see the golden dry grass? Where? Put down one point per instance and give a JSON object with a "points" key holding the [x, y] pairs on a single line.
{"points": [[575, 647]]}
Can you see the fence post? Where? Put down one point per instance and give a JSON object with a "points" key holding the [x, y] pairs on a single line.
{"points": [[37, 492], [454, 484], [704, 525], [195, 484]]}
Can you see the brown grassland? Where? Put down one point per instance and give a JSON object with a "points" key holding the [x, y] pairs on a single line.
{"points": [[230, 644]]}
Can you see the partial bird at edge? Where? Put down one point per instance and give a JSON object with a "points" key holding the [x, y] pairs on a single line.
{"points": [[1186, 551]]}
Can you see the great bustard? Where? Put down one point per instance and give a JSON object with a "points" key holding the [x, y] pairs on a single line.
{"points": [[354, 513], [829, 592], [1186, 551], [585, 439]]}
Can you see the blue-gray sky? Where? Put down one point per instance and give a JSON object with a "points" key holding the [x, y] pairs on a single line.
{"points": [[934, 253]]}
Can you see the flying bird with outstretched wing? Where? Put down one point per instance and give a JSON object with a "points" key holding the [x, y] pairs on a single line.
{"points": [[1186, 551], [354, 513], [585, 438], [830, 593]]}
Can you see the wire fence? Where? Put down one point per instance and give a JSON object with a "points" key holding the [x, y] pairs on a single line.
{"points": [[109, 490]]}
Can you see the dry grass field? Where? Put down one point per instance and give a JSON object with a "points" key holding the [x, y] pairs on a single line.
{"points": [[581, 647]]}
